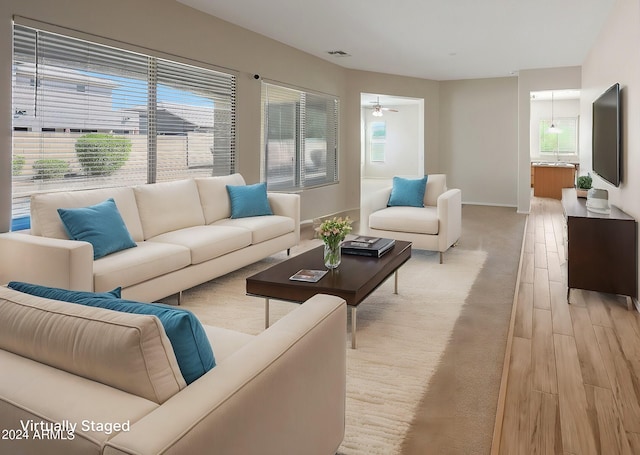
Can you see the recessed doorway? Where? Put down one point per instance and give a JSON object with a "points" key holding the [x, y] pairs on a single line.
{"points": [[391, 142]]}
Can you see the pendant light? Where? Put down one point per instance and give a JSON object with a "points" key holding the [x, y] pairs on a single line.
{"points": [[553, 128]]}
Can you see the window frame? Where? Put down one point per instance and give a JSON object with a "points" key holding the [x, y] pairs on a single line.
{"points": [[300, 104]]}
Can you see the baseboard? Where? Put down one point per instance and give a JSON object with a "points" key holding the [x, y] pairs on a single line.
{"points": [[502, 394], [353, 214], [307, 227], [489, 204]]}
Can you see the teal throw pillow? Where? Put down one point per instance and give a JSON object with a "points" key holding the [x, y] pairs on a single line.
{"points": [[187, 336], [101, 225], [61, 294], [249, 200], [407, 192]]}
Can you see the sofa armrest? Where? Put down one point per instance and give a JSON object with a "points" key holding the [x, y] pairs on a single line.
{"points": [[286, 204], [284, 392], [375, 201], [47, 261], [449, 217]]}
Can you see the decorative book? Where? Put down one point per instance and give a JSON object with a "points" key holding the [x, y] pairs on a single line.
{"points": [[310, 276], [368, 246]]}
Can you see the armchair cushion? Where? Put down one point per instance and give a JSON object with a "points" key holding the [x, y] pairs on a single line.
{"points": [[423, 220], [407, 192]]}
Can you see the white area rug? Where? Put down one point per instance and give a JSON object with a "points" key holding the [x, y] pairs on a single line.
{"points": [[400, 337]]}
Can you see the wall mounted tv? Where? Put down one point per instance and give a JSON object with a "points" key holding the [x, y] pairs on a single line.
{"points": [[606, 134]]}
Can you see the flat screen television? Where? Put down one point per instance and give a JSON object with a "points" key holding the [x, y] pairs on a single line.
{"points": [[606, 134]]}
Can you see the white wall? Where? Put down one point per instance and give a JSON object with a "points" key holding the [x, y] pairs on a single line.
{"points": [[402, 143], [479, 139], [541, 110]]}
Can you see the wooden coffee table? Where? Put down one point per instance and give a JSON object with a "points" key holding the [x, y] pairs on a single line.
{"points": [[353, 280]]}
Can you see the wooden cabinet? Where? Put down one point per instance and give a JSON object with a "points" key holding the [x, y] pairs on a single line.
{"points": [[601, 249], [549, 180]]}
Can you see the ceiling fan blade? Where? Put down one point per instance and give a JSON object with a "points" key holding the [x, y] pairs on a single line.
{"points": [[389, 109]]}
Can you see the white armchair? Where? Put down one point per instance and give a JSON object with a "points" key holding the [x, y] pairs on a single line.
{"points": [[435, 227]]}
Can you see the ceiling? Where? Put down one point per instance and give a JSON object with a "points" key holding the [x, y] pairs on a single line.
{"points": [[430, 39]]}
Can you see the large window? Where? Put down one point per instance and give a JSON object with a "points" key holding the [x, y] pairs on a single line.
{"points": [[299, 138], [562, 142], [87, 115]]}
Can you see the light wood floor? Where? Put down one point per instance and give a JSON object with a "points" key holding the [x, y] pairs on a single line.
{"points": [[574, 372]]}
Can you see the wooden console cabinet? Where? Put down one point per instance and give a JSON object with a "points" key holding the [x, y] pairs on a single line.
{"points": [[601, 249]]}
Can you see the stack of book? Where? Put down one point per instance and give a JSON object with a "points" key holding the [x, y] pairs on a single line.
{"points": [[368, 246]]}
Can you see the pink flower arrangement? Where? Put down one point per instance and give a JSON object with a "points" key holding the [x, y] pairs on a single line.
{"points": [[334, 231]]}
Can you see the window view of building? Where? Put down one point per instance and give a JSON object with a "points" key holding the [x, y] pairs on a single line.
{"points": [[86, 115]]}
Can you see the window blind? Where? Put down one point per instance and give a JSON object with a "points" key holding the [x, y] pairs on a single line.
{"points": [[86, 115], [300, 138]]}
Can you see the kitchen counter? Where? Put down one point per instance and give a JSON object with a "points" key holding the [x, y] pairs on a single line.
{"points": [[550, 177]]}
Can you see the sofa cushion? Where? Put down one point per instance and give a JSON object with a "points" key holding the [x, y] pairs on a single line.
{"points": [[206, 242], [407, 192], [136, 265], [249, 200], [419, 220], [214, 197], [125, 351], [436, 185], [262, 228], [46, 222], [168, 206], [101, 225], [189, 340]]}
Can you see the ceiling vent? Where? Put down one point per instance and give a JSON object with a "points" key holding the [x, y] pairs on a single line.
{"points": [[338, 53]]}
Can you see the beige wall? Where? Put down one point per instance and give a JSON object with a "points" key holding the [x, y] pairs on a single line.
{"points": [[481, 165], [614, 58], [479, 139], [168, 27]]}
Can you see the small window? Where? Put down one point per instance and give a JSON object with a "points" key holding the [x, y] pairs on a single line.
{"points": [[377, 141], [299, 138], [562, 142]]}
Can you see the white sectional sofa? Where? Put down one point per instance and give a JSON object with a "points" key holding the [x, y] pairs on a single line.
{"points": [[109, 381], [182, 229], [435, 227]]}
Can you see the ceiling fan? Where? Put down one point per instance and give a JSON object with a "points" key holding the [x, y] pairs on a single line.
{"points": [[377, 108]]}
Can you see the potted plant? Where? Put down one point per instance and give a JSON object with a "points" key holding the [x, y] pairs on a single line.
{"points": [[584, 185]]}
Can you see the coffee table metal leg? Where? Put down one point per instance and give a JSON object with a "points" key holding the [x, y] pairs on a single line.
{"points": [[353, 327], [266, 312], [395, 287]]}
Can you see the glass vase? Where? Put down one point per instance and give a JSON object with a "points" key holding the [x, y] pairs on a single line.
{"points": [[332, 255]]}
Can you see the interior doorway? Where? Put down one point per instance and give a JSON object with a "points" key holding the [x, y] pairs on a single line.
{"points": [[391, 142]]}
